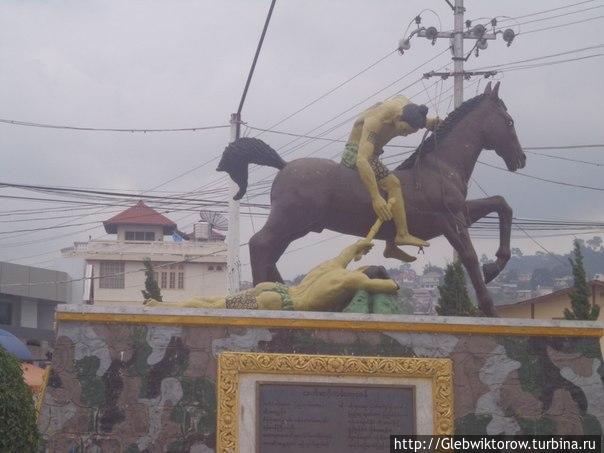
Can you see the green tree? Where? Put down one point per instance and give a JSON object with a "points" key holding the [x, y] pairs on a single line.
{"points": [[581, 308], [18, 430], [454, 299], [151, 290]]}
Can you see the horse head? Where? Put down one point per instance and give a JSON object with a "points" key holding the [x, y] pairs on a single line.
{"points": [[498, 131]]}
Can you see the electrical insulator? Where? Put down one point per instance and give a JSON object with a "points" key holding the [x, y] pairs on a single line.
{"points": [[432, 34], [479, 30], [508, 36], [404, 44]]}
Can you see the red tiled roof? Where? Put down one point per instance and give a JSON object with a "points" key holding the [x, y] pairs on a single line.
{"points": [[139, 214]]}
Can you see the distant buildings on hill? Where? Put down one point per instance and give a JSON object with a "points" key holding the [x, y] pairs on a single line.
{"points": [[510, 288]]}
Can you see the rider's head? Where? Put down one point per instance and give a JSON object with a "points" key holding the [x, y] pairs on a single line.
{"points": [[414, 115]]}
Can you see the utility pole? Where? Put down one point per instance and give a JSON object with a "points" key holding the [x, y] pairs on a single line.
{"points": [[458, 58], [232, 240], [478, 33], [233, 263]]}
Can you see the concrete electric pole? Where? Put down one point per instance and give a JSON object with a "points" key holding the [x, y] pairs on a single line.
{"points": [[478, 33], [232, 239], [233, 263]]}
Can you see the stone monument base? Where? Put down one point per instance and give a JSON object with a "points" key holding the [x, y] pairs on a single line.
{"points": [[144, 379]]}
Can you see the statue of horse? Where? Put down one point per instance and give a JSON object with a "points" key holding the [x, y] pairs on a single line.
{"points": [[313, 194]]}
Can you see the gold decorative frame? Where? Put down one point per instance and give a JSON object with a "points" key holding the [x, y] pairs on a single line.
{"points": [[232, 364]]}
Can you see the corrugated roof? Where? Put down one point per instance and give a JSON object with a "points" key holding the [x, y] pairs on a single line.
{"points": [[139, 214], [539, 299]]}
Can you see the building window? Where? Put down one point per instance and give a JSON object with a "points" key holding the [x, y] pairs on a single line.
{"points": [[164, 280], [6, 313], [140, 236], [219, 268], [211, 267], [181, 280], [172, 280], [111, 275]]}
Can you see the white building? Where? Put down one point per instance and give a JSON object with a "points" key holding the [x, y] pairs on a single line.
{"points": [[195, 267]]}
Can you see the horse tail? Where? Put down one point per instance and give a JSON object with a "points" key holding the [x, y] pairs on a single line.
{"points": [[242, 152]]}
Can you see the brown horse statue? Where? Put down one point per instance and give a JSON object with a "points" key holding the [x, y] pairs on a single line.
{"points": [[312, 194]]}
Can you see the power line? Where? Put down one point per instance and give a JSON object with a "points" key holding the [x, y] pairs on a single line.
{"points": [[54, 189], [559, 15], [117, 274], [521, 229], [324, 95], [596, 145], [561, 25], [106, 129], [315, 137], [551, 63], [528, 60], [568, 159], [222, 178], [545, 11], [552, 181]]}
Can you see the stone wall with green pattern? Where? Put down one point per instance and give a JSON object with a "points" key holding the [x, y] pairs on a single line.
{"points": [[152, 388]]}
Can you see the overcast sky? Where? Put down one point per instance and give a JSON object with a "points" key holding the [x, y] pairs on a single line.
{"points": [[165, 64]]}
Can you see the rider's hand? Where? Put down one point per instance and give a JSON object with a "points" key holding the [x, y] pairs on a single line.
{"points": [[364, 246], [382, 209]]}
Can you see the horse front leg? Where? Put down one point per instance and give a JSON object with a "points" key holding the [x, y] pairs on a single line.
{"points": [[459, 238], [477, 209]]}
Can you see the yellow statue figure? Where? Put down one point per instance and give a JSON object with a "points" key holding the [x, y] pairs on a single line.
{"points": [[373, 129], [327, 287]]}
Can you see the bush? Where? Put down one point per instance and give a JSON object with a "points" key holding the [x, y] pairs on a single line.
{"points": [[18, 430]]}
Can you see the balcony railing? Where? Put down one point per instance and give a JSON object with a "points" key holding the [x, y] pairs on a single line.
{"points": [[216, 248]]}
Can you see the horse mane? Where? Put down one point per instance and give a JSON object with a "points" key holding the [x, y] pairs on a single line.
{"points": [[429, 144]]}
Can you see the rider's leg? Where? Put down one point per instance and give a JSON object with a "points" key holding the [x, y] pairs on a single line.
{"points": [[392, 185], [392, 251]]}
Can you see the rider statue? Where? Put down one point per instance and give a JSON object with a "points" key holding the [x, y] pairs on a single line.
{"points": [[372, 130]]}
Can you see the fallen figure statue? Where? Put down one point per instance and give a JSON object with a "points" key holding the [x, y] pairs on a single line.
{"points": [[327, 287]]}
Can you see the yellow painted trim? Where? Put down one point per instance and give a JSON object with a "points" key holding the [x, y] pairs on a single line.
{"points": [[299, 323]]}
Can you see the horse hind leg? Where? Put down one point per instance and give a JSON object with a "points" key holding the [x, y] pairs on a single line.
{"points": [[264, 256], [267, 246]]}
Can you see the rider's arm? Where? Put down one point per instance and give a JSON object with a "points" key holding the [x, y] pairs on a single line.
{"points": [[359, 248], [366, 151]]}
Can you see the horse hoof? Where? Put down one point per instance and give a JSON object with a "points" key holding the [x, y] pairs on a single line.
{"points": [[488, 312]]}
